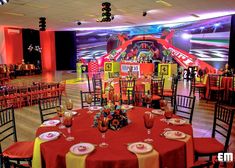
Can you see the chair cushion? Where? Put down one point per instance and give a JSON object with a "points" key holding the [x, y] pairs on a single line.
{"points": [[156, 97], [216, 88], [199, 85], [208, 146], [167, 94], [167, 90], [19, 150], [232, 90]]}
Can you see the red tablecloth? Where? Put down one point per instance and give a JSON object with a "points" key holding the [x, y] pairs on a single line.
{"points": [[172, 152]]}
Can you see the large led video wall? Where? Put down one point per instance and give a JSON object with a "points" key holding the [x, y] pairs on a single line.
{"points": [[204, 42]]}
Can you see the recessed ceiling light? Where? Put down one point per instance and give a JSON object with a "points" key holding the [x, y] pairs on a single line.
{"points": [[164, 3], [195, 15], [14, 14]]}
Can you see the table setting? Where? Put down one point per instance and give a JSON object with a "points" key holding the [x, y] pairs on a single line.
{"points": [[134, 144]]}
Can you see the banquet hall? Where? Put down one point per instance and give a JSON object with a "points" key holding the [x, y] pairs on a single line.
{"points": [[117, 84]]}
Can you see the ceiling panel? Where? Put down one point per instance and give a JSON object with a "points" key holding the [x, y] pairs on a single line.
{"points": [[62, 15]]}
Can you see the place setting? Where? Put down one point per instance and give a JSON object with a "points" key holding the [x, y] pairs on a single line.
{"points": [[50, 123]]}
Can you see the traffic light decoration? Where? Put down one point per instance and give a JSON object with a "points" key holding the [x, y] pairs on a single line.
{"points": [[106, 12], [42, 23]]}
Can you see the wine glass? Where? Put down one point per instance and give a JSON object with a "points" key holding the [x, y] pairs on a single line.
{"points": [[103, 127], [89, 101], [68, 121], [163, 104], [60, 113], [69, 104], [116, 98], [148, 122], [148, 100], [168, 113]]}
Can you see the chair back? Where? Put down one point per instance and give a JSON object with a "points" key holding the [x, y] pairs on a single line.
{"points": [[157, 86], [23, 89], [7, 124], [233, 84], [215, 80], [47, 107], [126, 88], [138, 99], [88, 82], [223, 121], [98, 89], [84, 103], [11, 91], [96, 76], [184, 106]]}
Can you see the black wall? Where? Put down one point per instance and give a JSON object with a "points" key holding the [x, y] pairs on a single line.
{"points": [[65, 50], [31, 37], [231, 58]]}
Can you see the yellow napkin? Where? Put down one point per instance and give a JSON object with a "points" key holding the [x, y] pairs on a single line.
{"points": [[189, 150], [36, 163], [73, 161], [148, 160]]}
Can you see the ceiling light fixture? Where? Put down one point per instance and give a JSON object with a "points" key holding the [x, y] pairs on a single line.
{"points": [[2, 2]]}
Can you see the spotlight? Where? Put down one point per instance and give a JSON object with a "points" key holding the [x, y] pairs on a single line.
{"points": [[42, 23], [217, 24], [79, 23], [2, 2], [144, 13]]}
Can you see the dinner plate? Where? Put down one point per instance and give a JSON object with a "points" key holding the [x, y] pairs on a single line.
{"points": [[126, 107], [48, 136], [95, 108], [158, 112], [51, 122], [82, 148], [140, 147], [174, 134], [73, 112], [177, 121]]}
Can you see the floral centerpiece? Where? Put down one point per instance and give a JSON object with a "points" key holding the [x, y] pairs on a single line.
{"points": [[117, 118]]}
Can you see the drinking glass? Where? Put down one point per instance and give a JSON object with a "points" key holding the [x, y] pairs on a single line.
{"points": [[148, 123], [89, 101], [69, 104], [168, 113], [103, 127], [163, 104], [60, 113], [68, 121], [116, 98], [148, 100]]}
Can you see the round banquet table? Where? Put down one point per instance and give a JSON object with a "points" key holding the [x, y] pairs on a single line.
{"points": [[172, 153]]}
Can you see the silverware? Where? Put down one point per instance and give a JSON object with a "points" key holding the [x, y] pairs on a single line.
{"points": [[62, 134], [165, 130]]}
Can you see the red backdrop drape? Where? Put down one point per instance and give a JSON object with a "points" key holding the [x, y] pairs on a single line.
{"points": [[14, 45], [47, 42]]}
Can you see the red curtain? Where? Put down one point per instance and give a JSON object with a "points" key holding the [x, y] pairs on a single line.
{"points": [[14, 45], [47, 42]]}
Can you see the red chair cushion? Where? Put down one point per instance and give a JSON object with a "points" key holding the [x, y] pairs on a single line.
{"points": [[156, 97], [231, 89], [216, 88], [19, 150], [167, 94], [199, 85], [208, 146], [167, 90]]}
